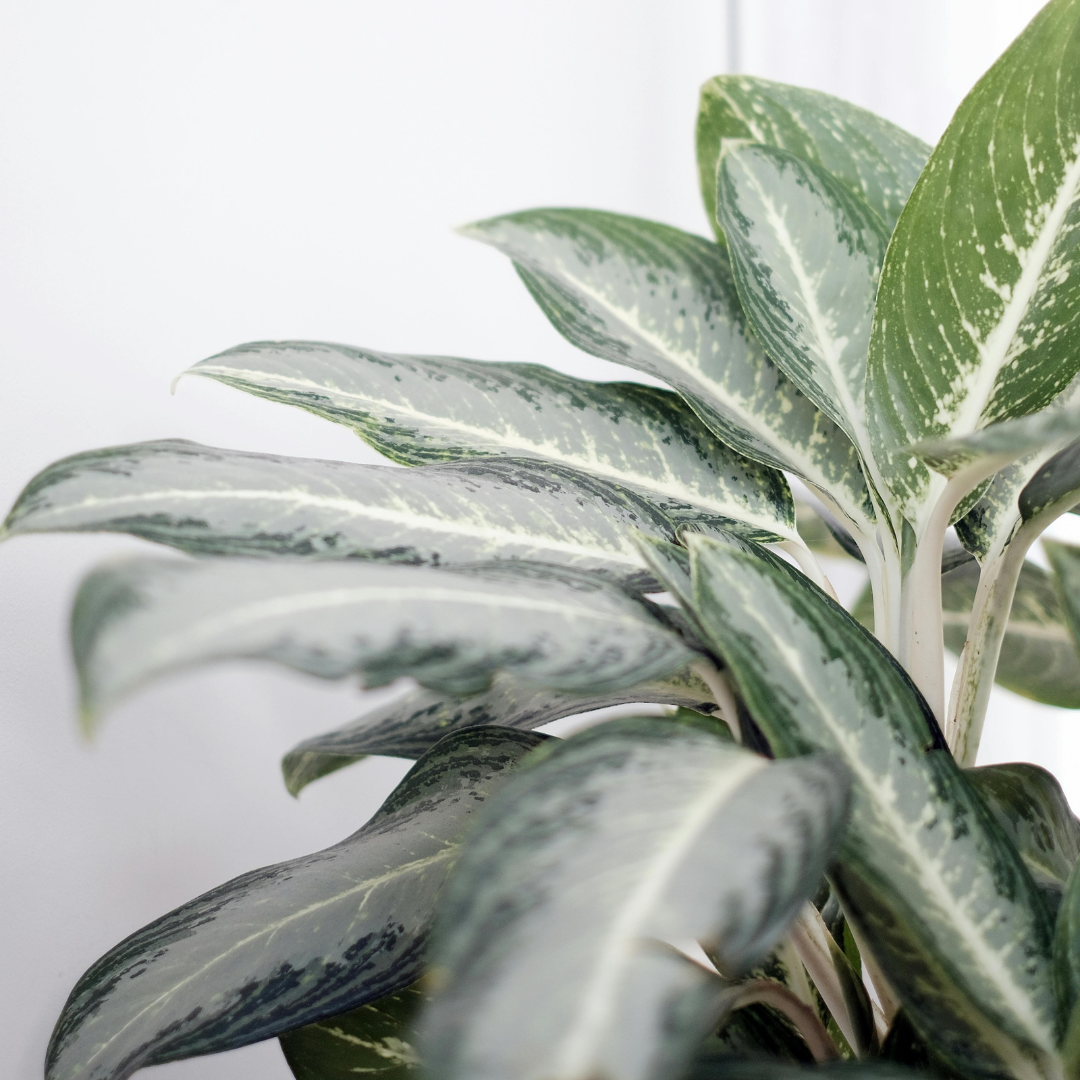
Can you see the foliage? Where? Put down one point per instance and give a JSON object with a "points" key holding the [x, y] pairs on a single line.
{"points": [[793, 866]]}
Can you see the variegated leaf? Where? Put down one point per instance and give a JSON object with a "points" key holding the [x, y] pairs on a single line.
{"points": [[806, 256], [226, 502], [1039, 659], [419, 410], [872, 158], [664, 302], [1067, 969], [562, 629], [1032, 810], [410, 725], [288, 944], [977, 317], [633, 833], [375, 1040], [925, 874]]}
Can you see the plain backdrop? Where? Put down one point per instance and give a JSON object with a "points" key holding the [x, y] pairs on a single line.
{"points": [[176, 178]]}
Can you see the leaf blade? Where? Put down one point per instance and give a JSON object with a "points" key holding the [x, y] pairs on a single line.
{"points": [[972, 323], [210, 501], [410, 725], [286, 945], [815, 680], [420, 410], [142, 618], [664, 302], [680, 784], [873, 158]]}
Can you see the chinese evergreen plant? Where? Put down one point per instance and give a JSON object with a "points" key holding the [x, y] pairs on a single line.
{"points": [[798, 862]]}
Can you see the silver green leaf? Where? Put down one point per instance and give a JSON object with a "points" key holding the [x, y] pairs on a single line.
{"points": [[633, 833], [872, 158], [211, 501], [291, 943], [410, 725], [663, 301], [1031, 808], [806, 256], [1065, 562], [419, 410], [977, 317], [376, 1040], [566, 630], [1038, 659], [1067, 969], [957, 924]]}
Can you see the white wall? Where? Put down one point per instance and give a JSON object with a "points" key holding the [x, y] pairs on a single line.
{"points": [[180, 177]]}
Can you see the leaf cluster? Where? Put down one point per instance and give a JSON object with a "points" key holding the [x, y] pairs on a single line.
{"points": [[788, 863]]}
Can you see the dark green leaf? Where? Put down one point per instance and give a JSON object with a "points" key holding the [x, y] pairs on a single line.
{"points": [[977, 317], [292, 943], [419, 410], [632, 831], [562, 629], [873, 159], [373, 1040], [1032, 809]]}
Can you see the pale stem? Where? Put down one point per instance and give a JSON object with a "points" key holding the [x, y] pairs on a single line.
{"points": [[810, 1027], [987, 626], [883, 565], [876, 984], [721, 691], [822, 958], [808, 564], [922, 646]]}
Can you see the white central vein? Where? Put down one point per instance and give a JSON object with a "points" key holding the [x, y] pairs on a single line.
{"points": [[351, 509]]}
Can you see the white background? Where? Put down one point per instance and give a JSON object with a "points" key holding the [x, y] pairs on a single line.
{"points": [[176, 178]]}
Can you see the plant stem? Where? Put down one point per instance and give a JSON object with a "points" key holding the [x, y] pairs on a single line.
{"points": [[809, 565], [922, 645], [722, 693], [986, 631], [767, 992], [835, 979]]}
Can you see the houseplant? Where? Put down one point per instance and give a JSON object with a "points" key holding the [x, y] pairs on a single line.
{"points": [[891, 326]]}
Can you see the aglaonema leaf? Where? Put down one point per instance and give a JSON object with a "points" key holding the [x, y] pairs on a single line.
{"points": [[288, 944], [633, 833], [1038, 657], [420, 410], [376, 1040], [566, 630], [1032, 810], [211, 501], [410, 725], [664, 302], [871, 157], [977, 317], [806, 255], [925, 873]]}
